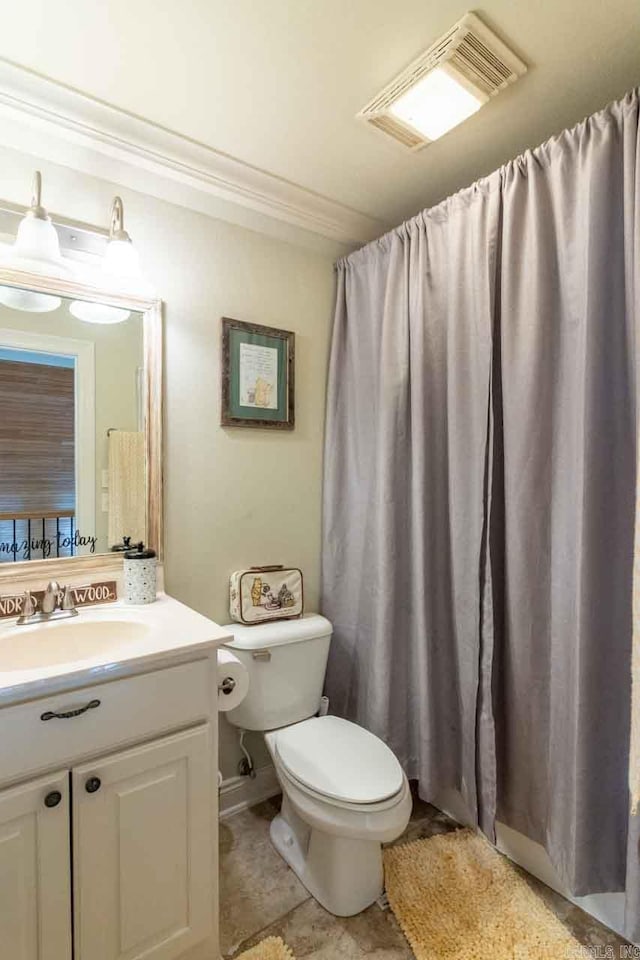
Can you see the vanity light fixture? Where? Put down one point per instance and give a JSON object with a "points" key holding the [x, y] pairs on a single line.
{"points": [[445, 85], [37, 247], [121, 258], [36, 250], [120, 264]]}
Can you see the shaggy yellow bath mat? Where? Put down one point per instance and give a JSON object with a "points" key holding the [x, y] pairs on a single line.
{"points": [[271, 949], [456, 898]]}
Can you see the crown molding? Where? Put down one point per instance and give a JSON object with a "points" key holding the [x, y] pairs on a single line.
{"points": [[60, 112]]}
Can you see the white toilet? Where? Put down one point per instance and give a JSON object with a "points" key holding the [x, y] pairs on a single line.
{"points": [[344, 792]]}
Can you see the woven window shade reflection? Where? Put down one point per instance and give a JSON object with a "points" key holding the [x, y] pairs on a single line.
{"points": [[37, 447]]}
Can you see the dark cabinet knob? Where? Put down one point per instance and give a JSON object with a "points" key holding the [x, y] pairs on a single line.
{"points": [[53, 798], [93, 784]]}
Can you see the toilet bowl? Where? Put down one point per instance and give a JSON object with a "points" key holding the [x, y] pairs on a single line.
{"points": [[344, 793], [337, 810]]}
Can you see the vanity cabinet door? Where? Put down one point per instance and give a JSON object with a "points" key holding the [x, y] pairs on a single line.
{"points": [[35, 899], [142, 827]]}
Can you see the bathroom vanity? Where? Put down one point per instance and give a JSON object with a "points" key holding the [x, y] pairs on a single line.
{"points": [[108, 716], [108, 799]]}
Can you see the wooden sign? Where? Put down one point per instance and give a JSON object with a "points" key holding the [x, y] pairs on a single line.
{"points": [[85, 596]]}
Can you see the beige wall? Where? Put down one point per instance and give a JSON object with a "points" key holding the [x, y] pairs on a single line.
{"points": [[234, 497]]}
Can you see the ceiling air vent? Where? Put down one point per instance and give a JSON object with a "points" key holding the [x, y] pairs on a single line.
{"points": [[445, 85]]}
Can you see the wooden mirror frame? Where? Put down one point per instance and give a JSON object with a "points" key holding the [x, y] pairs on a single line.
{"points": [[95, 565]]}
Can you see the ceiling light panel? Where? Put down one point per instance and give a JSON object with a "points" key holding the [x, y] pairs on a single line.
{"points": [[445, 85]]}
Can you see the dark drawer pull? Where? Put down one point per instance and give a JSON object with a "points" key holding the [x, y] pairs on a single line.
{"points": [[67, 714], [53, 799], [93, 784]]}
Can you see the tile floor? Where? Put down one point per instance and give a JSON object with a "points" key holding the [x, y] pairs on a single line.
{"points": [[260, 897]]}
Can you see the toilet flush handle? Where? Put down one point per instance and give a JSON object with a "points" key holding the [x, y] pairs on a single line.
{"points": [[261, 655]]}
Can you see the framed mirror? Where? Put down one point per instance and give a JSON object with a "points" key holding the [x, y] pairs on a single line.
{"points": [[80, 426]]}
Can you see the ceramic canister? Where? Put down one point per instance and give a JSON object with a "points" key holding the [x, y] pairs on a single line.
{"points": [[140, 575]]}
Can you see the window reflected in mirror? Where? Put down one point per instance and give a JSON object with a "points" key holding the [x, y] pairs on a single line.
{"points": [[72, 448]]}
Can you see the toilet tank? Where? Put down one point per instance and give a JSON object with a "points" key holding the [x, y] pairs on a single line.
{"points": [[286, 661]]}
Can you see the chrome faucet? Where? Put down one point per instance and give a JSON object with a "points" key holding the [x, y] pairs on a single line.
{"points": [[50, 599], [52, 609]]}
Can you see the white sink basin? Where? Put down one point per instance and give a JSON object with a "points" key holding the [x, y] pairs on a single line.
{"points": [[69, 641], [103, 642]]}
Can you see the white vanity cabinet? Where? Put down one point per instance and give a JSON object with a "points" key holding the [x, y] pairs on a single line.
{"points": [[35, 870], [112, 855]]}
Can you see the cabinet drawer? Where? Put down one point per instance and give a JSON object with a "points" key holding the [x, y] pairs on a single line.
{"points": [[129, 710]]}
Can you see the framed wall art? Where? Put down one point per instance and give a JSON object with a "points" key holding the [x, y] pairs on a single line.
{"points": [[257, 376]]}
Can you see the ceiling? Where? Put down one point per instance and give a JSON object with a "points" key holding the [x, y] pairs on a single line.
{"points": [[276, 83]]}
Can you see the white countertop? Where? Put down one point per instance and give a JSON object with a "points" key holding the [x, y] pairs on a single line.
{"points": [[175, 632]]}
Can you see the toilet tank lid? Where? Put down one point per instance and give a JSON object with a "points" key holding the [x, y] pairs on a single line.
{"points": [[311, 626]]}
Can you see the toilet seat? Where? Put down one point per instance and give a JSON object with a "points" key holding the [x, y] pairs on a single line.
{"points": [[323, 800], [339, 762], [379, 822]]}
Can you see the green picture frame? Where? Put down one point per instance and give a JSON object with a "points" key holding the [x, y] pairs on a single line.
{"points": [[258, 376]]}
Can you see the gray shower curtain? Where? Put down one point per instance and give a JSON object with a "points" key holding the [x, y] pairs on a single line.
{"points": [[479, 496]]}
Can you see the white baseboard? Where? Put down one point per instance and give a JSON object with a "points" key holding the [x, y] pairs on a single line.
{"points": [[238, 793]]}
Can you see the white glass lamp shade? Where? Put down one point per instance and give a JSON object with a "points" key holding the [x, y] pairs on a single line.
{"points": [[37, 240], [37, 248], [28, 300], [97, 312], [121, 265], [121, 260]]}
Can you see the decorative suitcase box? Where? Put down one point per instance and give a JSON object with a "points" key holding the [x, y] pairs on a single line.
{"points": [[260, 594]]}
